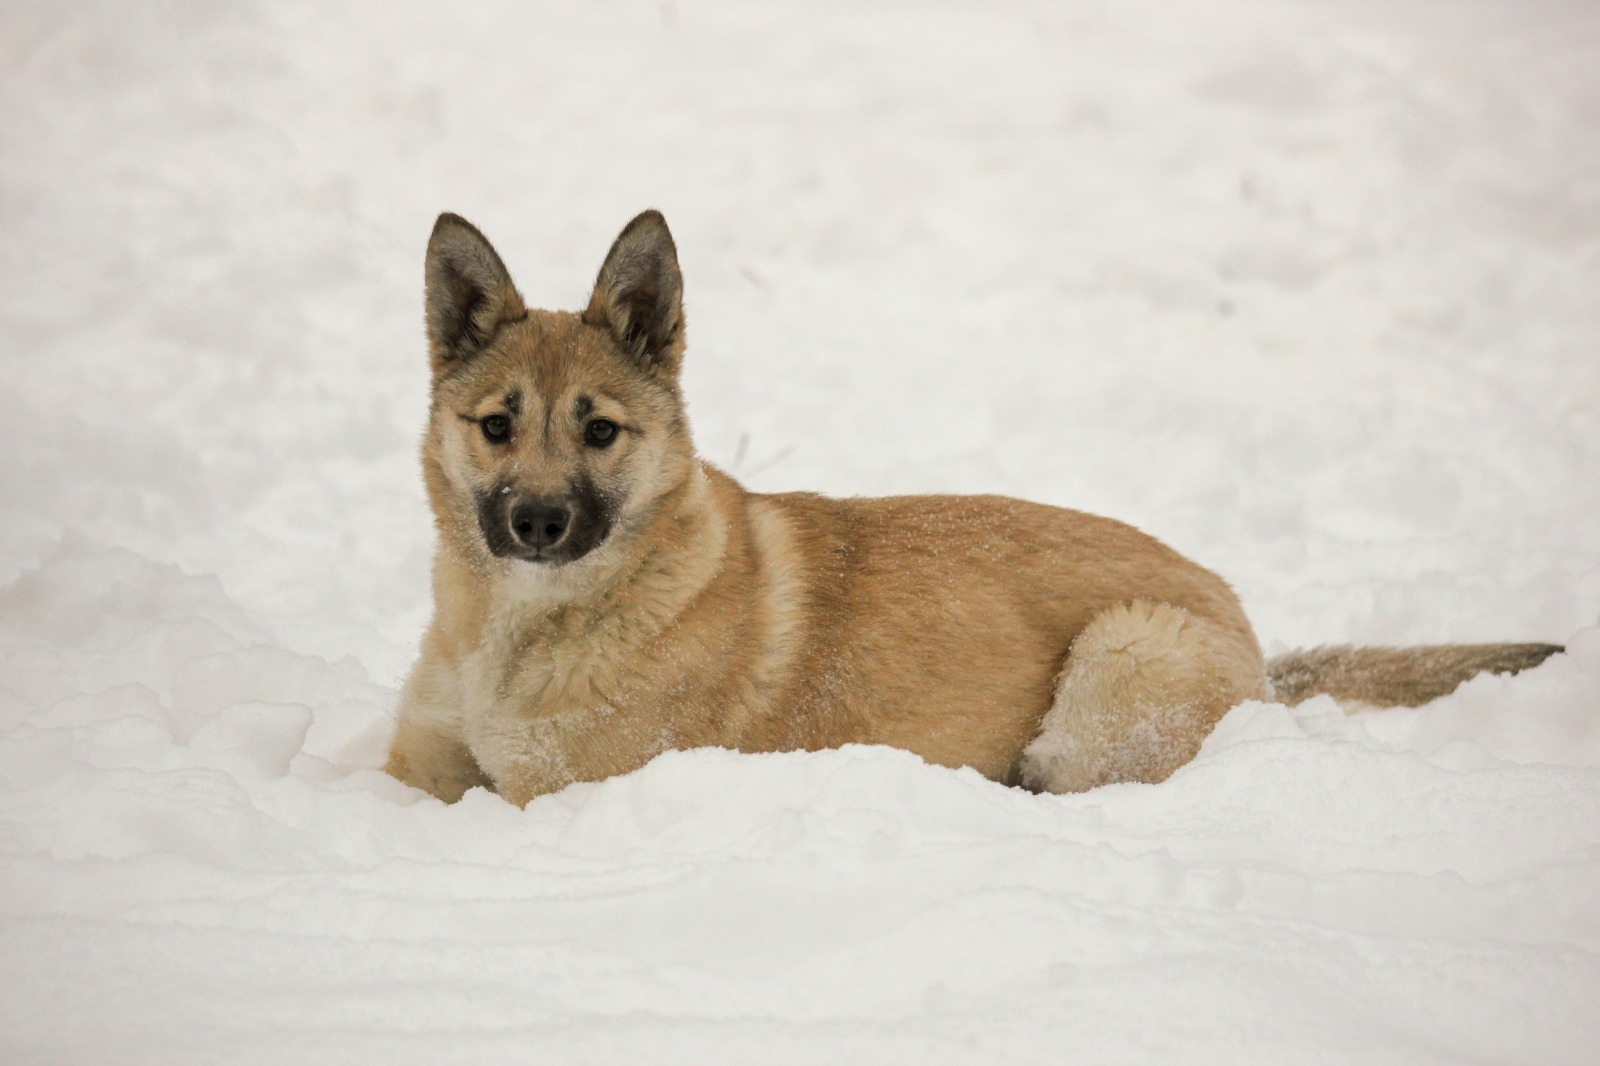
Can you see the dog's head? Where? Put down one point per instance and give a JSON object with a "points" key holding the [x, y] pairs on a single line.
{"points": [[553, 434]]}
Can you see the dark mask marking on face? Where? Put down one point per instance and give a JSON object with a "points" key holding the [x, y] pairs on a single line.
{"points": [[494, 520], [552, 530]]}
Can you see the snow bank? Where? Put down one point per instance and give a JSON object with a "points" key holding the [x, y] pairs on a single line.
{"points": [[1308, 293]]}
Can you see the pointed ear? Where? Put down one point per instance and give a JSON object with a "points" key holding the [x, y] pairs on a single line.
{"points": [[469, 293], [639, 294]]}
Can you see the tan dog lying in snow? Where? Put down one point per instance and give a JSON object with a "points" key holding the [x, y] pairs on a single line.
{"points": [[601, 595]]}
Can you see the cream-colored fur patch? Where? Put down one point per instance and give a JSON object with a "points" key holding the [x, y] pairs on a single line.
{"points": [[1143, 685]]}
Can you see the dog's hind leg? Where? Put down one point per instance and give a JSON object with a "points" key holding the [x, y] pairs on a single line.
{"points": [[1142, 686]]}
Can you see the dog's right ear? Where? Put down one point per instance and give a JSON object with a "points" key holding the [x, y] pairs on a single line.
{"points": [[469, 293]]}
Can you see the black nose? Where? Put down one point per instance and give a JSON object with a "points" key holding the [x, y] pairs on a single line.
{"points": [[540, 524]]}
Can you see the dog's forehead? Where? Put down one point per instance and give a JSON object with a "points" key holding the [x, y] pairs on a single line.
{"points": [[544, 357], [550, 347]]}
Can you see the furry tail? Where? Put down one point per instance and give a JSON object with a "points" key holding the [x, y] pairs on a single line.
{"points": [[1395, 677]]}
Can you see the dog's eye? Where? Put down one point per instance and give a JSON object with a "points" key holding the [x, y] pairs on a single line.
{"points": [[496, 429], [600, 433]]}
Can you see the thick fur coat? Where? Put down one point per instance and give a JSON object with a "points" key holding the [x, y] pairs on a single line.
{"points": [[601, 595]]}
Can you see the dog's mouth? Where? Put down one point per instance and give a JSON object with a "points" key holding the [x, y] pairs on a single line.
{"points": [[545, 530]]}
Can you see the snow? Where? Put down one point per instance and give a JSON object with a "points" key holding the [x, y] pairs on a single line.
{"points": [[1306, 290]]}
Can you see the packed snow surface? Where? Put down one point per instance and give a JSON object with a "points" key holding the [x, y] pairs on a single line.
{"points": [[1311, 291]]}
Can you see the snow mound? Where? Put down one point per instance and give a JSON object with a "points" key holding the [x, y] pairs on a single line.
{"points": [[200, 858]]}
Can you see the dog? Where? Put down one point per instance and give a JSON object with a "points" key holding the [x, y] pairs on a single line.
{"points": [[601, 595]]}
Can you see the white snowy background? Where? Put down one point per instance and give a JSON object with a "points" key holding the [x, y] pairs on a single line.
{"points": [[1310, 290]]}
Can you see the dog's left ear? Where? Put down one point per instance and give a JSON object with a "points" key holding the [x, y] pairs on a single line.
{"points": [[639, 294], [469, 293]]}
